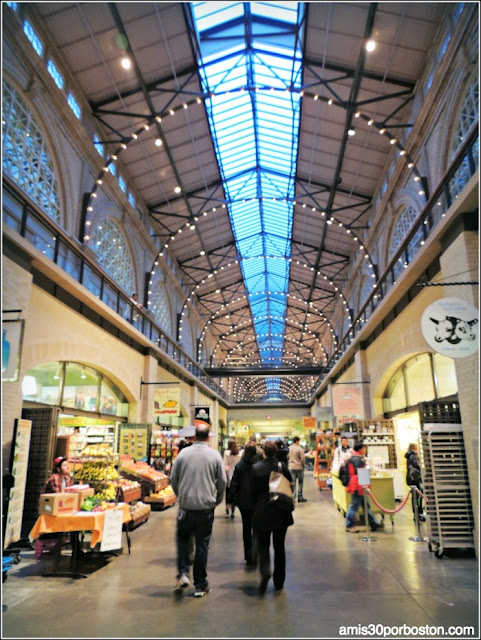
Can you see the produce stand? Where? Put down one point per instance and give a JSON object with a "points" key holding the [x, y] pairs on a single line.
{"points": [[140, 513], [74, 523], [159, 504]]}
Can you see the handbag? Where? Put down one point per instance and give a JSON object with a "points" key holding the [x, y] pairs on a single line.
{"points": [[280, 490]]}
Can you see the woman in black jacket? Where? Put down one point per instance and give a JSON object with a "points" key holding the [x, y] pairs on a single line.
{"points": [[270, 519], [413, 476], [240, 495]]}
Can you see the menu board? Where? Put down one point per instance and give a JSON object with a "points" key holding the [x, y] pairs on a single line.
{"points": [[18, 466], [134, 440]]}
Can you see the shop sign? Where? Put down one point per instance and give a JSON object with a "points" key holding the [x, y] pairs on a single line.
{"points": [[309, 422], [18, 466], [83, 421], [450, 327], [347, 400], [166, 402], [324, 414], [202, 414]]}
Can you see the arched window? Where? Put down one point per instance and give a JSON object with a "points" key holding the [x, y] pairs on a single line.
{"points": [[425, 377], [467, 117], [402, 226], [113, 253], [71, 384], [26, 159], [160, 307]]}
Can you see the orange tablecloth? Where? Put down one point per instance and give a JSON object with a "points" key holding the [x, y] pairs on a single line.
{"points": [[78, 521]]}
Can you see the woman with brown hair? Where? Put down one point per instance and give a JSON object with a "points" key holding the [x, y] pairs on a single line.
{"points": [[231, 458]]}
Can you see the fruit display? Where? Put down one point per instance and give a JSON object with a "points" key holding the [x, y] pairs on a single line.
{"points": [[103, 506], [95, 472], [139, 509], [109, 492], [140, 470], [101, 450], [164, 496]]}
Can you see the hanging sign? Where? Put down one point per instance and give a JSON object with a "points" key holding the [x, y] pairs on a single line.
{"points": [[202, 414], [12, 339], [309, 422], [166, 402], [347, 400], [450, 327]]}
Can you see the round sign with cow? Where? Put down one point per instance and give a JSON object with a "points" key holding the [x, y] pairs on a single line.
{"points": [[450, 327]]}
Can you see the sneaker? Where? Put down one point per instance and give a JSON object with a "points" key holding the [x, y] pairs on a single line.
{"points": [[200, 593], [352, 530], [302, 500], [182, 583]]}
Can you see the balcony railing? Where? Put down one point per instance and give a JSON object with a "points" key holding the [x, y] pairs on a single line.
{"points": [[463, 167], [22, 215]]}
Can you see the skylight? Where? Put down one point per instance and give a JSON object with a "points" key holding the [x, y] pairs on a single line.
{"points": [[251, 67]]}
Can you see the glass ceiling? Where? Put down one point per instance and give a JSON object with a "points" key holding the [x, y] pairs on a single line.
{"points": [[251, 60]]}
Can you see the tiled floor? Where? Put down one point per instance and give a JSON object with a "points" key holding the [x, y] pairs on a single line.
{"points": [[334, 579]]}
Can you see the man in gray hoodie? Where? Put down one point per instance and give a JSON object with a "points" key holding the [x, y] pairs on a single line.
{"points": [[198, 480]]}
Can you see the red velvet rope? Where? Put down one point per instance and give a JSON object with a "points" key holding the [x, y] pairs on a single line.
{"points": [[383, 508], [422, 495]]}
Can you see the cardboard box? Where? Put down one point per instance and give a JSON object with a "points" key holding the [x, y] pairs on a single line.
{"points": [[54, 504], [82, 491]]}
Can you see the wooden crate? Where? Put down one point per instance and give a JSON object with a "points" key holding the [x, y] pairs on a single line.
{"points": [[129, 495]]}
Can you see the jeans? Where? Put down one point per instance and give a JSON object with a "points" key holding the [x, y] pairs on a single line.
{"points": [[199, 525], [263, 541], [248, 536], [356, 502], [297, 474]]}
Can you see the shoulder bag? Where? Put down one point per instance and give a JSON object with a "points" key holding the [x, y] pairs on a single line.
{"points": [[280, 491]]}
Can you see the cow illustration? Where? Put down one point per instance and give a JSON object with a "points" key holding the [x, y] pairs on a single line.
{"points": [[453, 330]]}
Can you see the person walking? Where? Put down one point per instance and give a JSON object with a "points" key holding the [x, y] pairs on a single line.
{"points": [[270, 520], [240, 494], [355, 462], [413, 477], [198, 480], [282, 450], [296, 462], [232, 456]]}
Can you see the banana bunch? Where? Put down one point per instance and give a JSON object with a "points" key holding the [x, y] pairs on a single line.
{"points": [[96, 472], [107, 494], [97, 451]]}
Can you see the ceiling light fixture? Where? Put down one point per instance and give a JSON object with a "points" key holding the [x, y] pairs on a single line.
{"points": [[370, 45], [126, 63], [177, 189], [351, 131], [158, 142]]}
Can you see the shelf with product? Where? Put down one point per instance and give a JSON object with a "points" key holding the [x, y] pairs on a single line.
{"points": [[325, 445], [164, 447], [82, 431], [379, 437]]}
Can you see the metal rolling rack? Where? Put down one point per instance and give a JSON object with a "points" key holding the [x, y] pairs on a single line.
{"points": [[445, 480]]}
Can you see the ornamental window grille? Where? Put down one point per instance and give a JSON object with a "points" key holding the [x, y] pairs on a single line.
{"points": [[402, 226], [160, 307], [25, 155], [468, 117], [186, 340], [366, 288], [113, 253]]}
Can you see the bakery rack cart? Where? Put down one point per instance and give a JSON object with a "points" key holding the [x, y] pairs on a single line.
{"points": [[446, 487]]}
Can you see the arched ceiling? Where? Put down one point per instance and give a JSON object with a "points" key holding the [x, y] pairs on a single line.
{"points": [[157, 119]]}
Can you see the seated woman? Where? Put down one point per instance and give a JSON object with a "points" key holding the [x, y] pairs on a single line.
{"points": [[57, 482]]}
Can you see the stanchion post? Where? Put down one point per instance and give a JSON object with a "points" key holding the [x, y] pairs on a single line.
{"points": [[364, 481], [419, 537]]}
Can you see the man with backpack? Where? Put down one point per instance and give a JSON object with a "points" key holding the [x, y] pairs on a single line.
{"points": [[356, 462]]}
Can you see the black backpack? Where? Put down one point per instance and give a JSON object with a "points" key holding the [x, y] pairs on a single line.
{"points": [[344, 474]]}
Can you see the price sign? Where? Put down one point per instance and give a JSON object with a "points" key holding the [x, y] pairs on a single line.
{"points": [[112, 533]]}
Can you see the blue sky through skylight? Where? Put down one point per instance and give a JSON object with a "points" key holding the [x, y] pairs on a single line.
{"points": [[254, 120]]}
